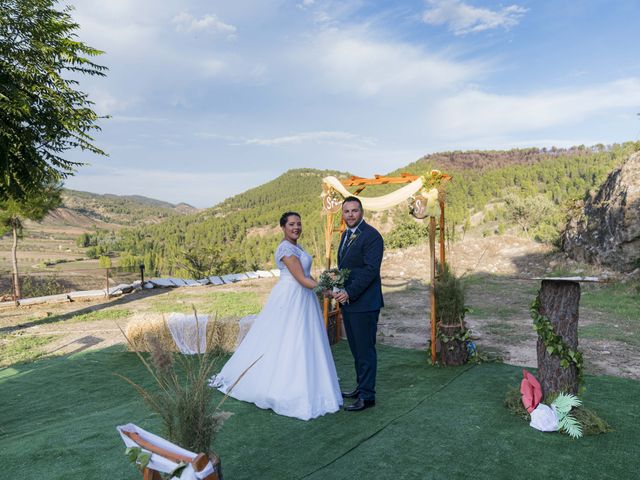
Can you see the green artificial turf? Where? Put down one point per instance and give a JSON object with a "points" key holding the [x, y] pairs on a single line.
{"points": [[58, 421]]}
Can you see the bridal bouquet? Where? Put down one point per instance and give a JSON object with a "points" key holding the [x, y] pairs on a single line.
{"points": [[332, 279]]}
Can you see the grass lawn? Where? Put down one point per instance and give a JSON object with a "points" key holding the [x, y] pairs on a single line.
{"points": [[224, 304], [59, 416], [21, 348], [620, 304], [107, 314]]}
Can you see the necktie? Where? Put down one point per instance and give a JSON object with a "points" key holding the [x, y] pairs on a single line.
{"points": [[346, 242]]}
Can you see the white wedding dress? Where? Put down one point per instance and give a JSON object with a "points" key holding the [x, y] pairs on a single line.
{"points": [[295, 376]]}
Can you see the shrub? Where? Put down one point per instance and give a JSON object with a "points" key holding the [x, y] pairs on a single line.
{"points": [[452, 332], [528, 212], [449, 291], [104, 262], [85, 240], [406, 234], [546, 233], [42, 286]]}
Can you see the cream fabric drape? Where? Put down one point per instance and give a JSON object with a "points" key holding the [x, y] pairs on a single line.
{"points": [[378, 204], [189, 332], [160, 463]]}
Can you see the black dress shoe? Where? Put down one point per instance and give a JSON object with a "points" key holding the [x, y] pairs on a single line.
{"points": [[359, 405], [352, 394]]}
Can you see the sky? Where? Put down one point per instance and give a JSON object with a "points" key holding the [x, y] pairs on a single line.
{"points": [[208, 98]]}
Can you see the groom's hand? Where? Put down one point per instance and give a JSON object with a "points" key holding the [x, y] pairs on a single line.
{"points": [[342, 296]]}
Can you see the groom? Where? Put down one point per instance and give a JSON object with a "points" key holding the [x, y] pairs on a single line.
{"points": [[360, 251]]}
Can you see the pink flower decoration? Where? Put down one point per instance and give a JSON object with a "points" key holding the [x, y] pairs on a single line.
{"points": [[531, 391]]}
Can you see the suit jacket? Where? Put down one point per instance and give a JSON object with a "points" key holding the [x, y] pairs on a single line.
{"points": [[362, 255]]}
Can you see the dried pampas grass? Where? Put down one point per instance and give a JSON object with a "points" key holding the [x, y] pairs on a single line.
{"points": [[181, 396], [144, 329]]}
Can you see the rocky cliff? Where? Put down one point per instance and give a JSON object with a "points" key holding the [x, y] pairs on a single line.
{"points": [[605, 227]]}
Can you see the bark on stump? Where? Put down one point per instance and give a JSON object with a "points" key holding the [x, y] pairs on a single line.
{"points": [[454, 352], [559, 300]]}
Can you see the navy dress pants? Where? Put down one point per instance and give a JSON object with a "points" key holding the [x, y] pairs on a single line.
{"points": [[361, 328]]}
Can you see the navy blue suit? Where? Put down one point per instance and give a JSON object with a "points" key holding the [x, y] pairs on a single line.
{"points": [[362, 255]]}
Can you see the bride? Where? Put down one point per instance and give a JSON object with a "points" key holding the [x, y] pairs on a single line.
{"points": [[293, 371]]}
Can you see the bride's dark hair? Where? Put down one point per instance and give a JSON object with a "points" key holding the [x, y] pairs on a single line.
{"points": [[285, 216]]}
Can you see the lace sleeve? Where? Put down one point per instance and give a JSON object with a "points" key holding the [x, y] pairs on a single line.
{"points": [[285, 249]]}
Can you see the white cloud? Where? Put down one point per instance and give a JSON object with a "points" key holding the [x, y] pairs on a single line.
{"points": [[355, 61], [212, 67], [331, 12], [332, 138], [477, 113], [119, 26], [219, 136], [107, 103], [462, 18], [185, 22]]}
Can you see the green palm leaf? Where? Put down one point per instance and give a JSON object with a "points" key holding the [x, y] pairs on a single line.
{"points": [[571, 426], [565, 402], [566, 422]]}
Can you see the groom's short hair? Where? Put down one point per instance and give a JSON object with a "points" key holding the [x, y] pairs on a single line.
{"points": [[353, 199]]}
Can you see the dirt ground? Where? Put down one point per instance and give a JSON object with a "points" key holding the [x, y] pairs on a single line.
{"points": [[499, 272]]}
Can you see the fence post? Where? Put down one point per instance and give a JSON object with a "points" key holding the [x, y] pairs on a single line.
{"points": [[107, 284], [142, 272]]}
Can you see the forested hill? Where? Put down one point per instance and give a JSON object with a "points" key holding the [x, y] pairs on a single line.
{"points": [[241, 232], [120, 209], [237, 234], [560, 175], [297, 190]]}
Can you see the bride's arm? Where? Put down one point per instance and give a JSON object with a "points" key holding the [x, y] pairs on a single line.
{"points": [[295, 268]]}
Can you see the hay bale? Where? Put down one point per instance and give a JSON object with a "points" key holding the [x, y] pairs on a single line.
{"points": [[222, 333]]}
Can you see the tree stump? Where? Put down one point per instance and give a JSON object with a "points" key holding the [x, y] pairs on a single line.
{"points": [[558, 302], [454, 352]]}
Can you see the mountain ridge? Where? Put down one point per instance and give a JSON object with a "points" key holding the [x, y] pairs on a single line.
{"points": [[82, 208]]}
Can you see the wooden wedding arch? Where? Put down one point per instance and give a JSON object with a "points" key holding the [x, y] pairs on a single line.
{"points": [[426, 198]]}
